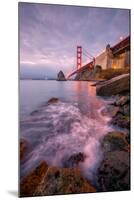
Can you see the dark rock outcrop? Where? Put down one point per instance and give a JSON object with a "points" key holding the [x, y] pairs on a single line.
{"points": [[53, 100], [125, 110], [114, 86], [114, 141], [122, 100], [61, 76], [114, 172], [74, 160], [120, 120]]}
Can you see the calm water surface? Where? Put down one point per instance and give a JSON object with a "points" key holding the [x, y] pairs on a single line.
{"points": [[34, 93]]}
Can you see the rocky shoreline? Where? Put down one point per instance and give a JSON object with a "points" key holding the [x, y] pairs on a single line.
{"points": [[113, 174], [49, 180], [114, 171]]}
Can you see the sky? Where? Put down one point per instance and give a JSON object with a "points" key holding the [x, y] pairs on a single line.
{"points": [[50, 34]]}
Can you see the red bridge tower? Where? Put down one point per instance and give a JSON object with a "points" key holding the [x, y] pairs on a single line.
{"points": [[79, 57]]}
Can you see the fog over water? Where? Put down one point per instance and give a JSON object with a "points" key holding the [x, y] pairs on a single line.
{"points": [[57, 131]]}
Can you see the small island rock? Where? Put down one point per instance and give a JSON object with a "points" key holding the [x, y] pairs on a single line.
{"points": [[61, 76]]}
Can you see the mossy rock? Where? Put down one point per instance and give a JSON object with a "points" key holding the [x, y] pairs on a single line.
{"points": [[115, 141], [63, 181], [45, 180], [29, 183]]}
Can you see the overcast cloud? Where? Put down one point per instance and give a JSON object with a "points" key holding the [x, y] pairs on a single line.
{"points": [[49, 35]]}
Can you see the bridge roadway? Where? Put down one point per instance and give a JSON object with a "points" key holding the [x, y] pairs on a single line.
{"points": [[89, 65]]}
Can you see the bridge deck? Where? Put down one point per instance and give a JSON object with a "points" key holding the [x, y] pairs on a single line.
{"points": [[89, 65]]}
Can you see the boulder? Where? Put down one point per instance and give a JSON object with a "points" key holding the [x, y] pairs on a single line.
{"points": [[29, 183], [23, 148], [53, 100], [125, 110], [34, 112], [114, 86], [98, 82], [63, 181], [114, 141], [45, 180], [74, 160], [110, 111], [61, 76], [122, 100], [114, 172], [121, 120]]}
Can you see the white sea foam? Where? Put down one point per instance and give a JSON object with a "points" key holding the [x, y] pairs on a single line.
{"points": [[59, 130]]}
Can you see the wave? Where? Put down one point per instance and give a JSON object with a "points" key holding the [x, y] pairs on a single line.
{"points": [[57, 131]]}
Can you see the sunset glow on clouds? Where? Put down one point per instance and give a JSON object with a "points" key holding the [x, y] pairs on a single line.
{"points": [[49, 35]]}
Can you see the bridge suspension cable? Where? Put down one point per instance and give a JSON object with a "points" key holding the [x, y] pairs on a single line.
{"points": [[87, 55], [81, 51], [85, 51]]}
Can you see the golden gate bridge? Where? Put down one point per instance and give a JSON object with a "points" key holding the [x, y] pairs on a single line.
{"points": [[120, 47], [79, 67]]}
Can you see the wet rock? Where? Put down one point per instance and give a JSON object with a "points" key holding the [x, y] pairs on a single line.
{"points": [[29, 183], [122, 117], [63, 181], [53, 100], [74, 160], [23, 148], [121, 121], [122, 100], [94, 84], [34, 112], [114, 141], [99, 82], [45, 180], [114, 86], [110, 111], [114, 172], [125, 110], [61, 76]]}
